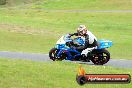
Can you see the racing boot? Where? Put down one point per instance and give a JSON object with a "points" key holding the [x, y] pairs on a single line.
{"points": [[84, 58]]}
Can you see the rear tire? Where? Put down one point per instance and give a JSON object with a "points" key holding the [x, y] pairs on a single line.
{"points": [[101, 57]]}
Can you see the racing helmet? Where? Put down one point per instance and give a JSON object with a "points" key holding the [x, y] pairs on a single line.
{"points": [[82, 30]]}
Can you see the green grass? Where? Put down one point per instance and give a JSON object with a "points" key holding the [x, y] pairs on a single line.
{"points": [[23, 42], [72, 4], [37, 31], [23, 74], [10, 3], [85, 4]]}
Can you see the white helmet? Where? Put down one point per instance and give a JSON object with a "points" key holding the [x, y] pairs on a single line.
{"points": [[82, 30]]}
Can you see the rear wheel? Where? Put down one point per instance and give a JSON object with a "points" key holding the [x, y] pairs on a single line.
{"points": [[101, 57]]}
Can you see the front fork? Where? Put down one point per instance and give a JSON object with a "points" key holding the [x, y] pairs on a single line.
{"points": [[68, 54]]}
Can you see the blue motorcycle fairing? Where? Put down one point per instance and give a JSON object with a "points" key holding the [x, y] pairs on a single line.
{"points": [[60, 46], [79, 40], [67, 38], [68, 53], [104, 44], [63, 48]]}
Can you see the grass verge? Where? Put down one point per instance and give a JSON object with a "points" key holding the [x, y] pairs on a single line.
{"points": [[23, 74], [85, 4]]}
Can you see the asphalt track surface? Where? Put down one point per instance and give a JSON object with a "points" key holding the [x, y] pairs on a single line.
{"points": [[119, 63]]}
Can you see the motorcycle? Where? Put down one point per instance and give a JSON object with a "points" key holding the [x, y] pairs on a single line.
{"points": [[63, 50]]}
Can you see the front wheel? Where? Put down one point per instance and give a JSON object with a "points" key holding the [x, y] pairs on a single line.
{"points": [[53, 54], [101, 57]]}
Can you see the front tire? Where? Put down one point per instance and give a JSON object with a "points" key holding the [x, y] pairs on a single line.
{"points": [[53, 54], [101, 57]]}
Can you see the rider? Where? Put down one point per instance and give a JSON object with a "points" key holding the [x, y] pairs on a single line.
{"points": [[90, 40]]}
